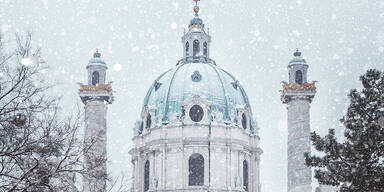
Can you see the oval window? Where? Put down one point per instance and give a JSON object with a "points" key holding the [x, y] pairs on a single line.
{"points": [[196, 113]]}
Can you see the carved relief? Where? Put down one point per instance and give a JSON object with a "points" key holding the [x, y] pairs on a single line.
{"points": [[98, 87], [298, 87]]}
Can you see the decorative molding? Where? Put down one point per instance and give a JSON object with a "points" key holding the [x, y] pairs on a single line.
{"points": [[99, 87], [298, 87]]}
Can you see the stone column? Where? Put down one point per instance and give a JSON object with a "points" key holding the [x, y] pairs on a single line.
{"points": [[95, 142], [299, 175]]}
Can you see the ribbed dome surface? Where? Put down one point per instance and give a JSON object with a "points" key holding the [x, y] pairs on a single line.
{"points": [[169, 91]]}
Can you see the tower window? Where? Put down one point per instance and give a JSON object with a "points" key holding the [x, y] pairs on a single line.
{"points": [[245, 175], [205, 49], [196, 113], [244, 121], [148, 121], [95, 78], [196, 47], [146, 176], [196, 170], [299, 77], [187, 48]]}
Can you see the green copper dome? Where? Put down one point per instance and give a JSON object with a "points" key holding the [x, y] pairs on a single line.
{"points": [[198, 77]]}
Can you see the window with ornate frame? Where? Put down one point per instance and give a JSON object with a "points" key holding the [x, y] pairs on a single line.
{"points": [[196, 113]]}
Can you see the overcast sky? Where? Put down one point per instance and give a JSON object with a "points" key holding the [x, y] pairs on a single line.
{"points": [[252, 39]]}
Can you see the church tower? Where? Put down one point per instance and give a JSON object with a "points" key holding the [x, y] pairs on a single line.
{"points": [[96, 95], [298, 95]]}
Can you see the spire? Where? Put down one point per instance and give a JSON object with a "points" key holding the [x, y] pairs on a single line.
{"points": [[196, 21]]}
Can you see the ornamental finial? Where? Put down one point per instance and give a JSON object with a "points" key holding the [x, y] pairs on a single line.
{"points": [[297, 53], [97, 54], [196, 8]]}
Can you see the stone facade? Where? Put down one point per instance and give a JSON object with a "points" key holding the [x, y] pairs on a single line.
{"points": [[299, 175]]}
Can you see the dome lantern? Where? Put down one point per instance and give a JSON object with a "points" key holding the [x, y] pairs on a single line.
{"points": [[196, 41]]}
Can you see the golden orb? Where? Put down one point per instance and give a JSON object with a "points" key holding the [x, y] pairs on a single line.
{"points": [[196, 9]]}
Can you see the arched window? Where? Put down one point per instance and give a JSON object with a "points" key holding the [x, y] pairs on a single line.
{"points": [[205, 49], [299, 77], [245, 175], [95, 78], [146, 176], [148, 121], [244, 121], [196, 170], [196, 47], [187, 48]]}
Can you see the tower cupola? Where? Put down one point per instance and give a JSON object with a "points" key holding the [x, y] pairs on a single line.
{"points": [[298, 68], [196, 41], [96, 69]]}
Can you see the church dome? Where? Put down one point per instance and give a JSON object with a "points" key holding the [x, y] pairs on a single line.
{"points": [[199, 77], [196, 90]]}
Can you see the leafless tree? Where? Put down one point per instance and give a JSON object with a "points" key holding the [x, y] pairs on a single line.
{"points": [[118, 184], [40, 150]]}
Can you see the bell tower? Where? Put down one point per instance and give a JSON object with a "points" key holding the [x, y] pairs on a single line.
{"points": [[298, 95], [96, 95]]}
